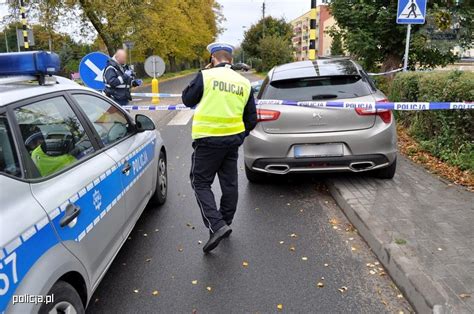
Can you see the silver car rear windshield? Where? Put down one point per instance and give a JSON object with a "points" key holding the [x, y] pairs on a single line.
{"points": [[317, 88]]}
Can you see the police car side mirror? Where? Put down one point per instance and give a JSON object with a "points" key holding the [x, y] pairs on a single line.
{"points": [[144, 123]]}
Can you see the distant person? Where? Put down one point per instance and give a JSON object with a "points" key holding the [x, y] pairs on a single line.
{"points": [[224, 116], [119, 78]]}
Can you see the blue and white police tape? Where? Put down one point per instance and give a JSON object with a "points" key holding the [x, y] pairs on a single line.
{"points": [[413, 106], [373, 105], [160, 95], [157, 108]]}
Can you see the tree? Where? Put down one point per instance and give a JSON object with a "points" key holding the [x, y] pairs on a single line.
{"points": [[178, 30], [370, 34], [69, 51], [274, 50], [336, 45], [269, 26]]}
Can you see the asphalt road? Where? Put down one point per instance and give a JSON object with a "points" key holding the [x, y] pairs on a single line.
{"points": [[289, 235]]}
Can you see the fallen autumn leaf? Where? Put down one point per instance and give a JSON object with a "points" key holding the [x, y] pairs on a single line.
{"points": [[342, 289]]}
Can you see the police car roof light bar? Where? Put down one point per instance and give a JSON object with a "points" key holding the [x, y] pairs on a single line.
{"points": [[28, 65]]}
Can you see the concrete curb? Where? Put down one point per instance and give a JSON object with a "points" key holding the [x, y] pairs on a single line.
{"points": [[418, 288]]}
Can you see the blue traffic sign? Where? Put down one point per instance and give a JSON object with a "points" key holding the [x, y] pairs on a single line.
{"points": [[411, 11], [91, 69]]}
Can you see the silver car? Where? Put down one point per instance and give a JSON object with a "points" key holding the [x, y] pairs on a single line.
{"points": [[76, 172], [292, 139]]}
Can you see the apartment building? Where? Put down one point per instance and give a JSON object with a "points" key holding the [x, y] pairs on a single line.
{"points": [[301, 27]]}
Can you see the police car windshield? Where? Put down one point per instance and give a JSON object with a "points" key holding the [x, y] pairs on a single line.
{"points": [[316, 88]]}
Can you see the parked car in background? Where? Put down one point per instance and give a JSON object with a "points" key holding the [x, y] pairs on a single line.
{"points": [[292, 139], [241, 67]]}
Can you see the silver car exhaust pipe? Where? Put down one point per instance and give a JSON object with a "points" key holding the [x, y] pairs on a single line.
{"points": [[361, 166], [357, 166], [277, 169]]}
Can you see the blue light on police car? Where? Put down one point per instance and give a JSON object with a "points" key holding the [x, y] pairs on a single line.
{"points": [[37, 63]]}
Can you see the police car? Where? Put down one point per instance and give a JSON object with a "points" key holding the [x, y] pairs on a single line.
{"points": [[76, 172]]}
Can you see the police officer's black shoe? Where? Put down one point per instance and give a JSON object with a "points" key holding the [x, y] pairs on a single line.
{"points": [[228, 234], [216, 237]]}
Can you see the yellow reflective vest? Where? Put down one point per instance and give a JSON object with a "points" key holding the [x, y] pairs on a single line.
{"points": [[220, 111], [50, 164]]}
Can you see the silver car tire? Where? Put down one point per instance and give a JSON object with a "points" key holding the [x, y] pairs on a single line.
{"points": [[255, 177], [66, 300], [386, 173]]}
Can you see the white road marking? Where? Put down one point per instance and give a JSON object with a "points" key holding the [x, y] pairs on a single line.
{"points": [[182, 118]]}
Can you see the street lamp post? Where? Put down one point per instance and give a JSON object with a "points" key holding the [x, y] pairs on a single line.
{"points": [[243, 53]]}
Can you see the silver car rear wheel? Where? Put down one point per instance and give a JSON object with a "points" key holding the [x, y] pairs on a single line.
{"points": [[66, 300], [255, 177], [387, 172]]}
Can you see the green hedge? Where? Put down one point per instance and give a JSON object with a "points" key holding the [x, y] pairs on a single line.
{"points": [[447, 134]]}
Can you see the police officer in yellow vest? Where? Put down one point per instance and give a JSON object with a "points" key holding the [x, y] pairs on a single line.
{"points": [[224, 116]]}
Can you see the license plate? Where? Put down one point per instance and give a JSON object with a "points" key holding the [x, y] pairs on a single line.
{"points": [[319, 150]]}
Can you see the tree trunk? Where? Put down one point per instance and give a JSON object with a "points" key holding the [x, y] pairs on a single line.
{"points": [[172, 61], [391, 62], [106, 38]]}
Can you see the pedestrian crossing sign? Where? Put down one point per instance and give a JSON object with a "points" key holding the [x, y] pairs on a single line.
{"points": [[411, 11]]}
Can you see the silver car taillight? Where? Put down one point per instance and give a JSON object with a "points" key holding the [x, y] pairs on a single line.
{"points": [[384, 114], [264, 115]]}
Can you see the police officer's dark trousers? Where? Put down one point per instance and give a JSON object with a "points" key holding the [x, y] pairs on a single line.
{"points": [[207, 161]]}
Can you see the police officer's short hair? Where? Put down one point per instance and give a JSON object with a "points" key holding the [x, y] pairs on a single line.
{"points": [[223, 55]]}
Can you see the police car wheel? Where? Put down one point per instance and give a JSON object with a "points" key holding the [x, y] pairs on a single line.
{"points": [[387, 172], [255, 177], [66, 300], [161, 190]]}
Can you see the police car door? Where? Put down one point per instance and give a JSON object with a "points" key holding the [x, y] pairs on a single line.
{"points": [[74, 182], [25, 232], [134, 152]]}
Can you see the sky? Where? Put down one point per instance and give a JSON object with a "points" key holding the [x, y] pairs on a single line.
{"points": [[240, 13]]}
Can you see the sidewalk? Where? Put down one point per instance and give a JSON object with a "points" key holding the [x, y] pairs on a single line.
{"points": [[421, 229]]}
